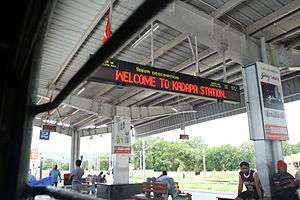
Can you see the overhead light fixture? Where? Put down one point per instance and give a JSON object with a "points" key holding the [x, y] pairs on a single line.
{"points": [[76, 111], [103, 126], [174, 109], [80, 91], [144, 36], [294, 68]]}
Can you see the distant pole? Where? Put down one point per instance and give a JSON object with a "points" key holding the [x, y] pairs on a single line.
{"points": [[144, 159], [204, 162], [41, 168], [141, 157], [100, 163]]}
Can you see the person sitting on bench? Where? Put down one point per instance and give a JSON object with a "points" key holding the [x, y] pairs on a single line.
{"points": [[285, 186], [171, 187], [250, 179]]}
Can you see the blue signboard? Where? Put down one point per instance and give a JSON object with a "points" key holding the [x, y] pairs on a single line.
{"points": [[44, 135]]}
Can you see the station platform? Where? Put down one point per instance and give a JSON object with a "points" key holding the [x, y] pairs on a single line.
{"points": [[196, 195]]}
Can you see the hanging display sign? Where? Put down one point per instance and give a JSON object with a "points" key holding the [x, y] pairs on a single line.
{"points": [[49, 128], [44, 135], [131, 74], [121, 138], [272, 102], [184, 137]]}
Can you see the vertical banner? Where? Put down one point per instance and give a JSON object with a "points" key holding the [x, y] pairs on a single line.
{"points": [[272, 102], [265, 105], [34, 154], [121, 139]]}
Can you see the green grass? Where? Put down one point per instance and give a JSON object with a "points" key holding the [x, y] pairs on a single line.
{"points": [[219, 182], [216, 187]]}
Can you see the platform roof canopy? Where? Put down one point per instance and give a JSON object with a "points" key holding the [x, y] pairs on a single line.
{"points": [[75, 32]]}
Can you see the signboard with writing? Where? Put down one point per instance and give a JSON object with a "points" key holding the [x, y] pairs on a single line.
{"points": [[49, 128], [184, 137], [44, 135], [131, 74], [121, 139], [272, 102], [34, 154]]}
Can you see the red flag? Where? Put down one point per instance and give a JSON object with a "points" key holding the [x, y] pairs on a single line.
{"points": [[107, 33]]}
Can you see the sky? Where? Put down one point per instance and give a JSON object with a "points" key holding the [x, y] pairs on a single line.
{"points": [[230, 130]]}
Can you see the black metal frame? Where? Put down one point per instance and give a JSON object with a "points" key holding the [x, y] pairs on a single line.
{"points": [[18, 131], [57, 193]]}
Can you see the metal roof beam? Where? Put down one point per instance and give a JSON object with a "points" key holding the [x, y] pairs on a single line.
{"points": [[274, 17], [78, 45], [165, 48], [96, 131], [229, 5], [294, 44], [84, 119], [109, 110], [201, 56], [192, 21]]}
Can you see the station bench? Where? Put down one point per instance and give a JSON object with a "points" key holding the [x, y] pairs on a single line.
{"points": [[225, 197], [151, 188]]}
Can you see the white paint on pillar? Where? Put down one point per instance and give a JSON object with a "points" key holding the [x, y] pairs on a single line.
{"points": [[72, 151], [120, 169], [121, 149], [75, 148]]}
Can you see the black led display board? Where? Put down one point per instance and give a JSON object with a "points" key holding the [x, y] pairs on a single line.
{"points": [[131, 74]]}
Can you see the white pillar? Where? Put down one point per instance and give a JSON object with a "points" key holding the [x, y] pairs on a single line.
{"points": [[120, 168], [75, 148], [267, 152], [121, 149]]}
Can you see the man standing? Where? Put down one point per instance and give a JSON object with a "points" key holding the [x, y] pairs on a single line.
{"points": [[250, 179], [285, 186], [55, 173], [76, 175]]}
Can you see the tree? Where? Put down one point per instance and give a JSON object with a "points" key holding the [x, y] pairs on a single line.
{"points": [[104, 163], [297, 148], [65, 166], [48, 164], [225, 157], [246, 150], [164, 155], [85, 164], [288, 149], [188, 155]]}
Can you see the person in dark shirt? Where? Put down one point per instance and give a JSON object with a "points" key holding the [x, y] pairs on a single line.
{"points": [[284, 184], [250, 179]]}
